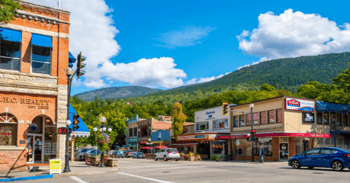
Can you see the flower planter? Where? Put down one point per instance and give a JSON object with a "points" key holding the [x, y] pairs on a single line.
{"points": [[112, 162], [182, 157], [191, 158], [186, 157], [94, 160]]}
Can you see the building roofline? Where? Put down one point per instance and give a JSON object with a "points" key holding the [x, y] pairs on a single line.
{"points": [[208, 108], [43, 6]]}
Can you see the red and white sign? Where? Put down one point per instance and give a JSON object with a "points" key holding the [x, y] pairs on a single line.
{"points": [[299, 104], [278, 135]]}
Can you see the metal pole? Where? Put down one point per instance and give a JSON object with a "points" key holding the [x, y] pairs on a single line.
{"points": [[96, 145], [251, 123], [103, 153], [66, 168]]}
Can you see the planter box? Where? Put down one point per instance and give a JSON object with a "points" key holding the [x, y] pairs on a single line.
{"points": [[182, 157], [112, 162], [191, 158], [94, 160]]}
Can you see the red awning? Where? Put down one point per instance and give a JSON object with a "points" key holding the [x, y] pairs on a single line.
{"points": [[272, 134], [161, 147]]}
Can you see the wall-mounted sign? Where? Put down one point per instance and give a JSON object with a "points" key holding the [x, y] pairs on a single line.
{"points": [[210, 112], [299, 104], [32, 103]]}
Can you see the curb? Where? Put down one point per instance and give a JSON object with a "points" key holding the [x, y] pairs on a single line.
{"points": [[27, 178]]}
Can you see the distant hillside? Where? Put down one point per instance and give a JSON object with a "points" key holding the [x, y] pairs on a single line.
{"points": [[117, 92], [287, 73]]}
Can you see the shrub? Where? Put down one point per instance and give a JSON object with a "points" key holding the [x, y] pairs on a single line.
{"points": [[213, 157], [190, 154]]}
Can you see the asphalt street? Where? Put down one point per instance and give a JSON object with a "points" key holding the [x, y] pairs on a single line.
{"points": [[144, 170]]}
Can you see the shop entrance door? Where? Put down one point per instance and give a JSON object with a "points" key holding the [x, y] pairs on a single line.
{"points": [[284, 151], [34, 148]]}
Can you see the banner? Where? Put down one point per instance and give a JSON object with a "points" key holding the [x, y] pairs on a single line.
{"points": [[299, 104], [55, 166]]}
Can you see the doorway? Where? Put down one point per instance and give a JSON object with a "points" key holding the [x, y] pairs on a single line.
{"points": [[284, 153], [34, 148]]}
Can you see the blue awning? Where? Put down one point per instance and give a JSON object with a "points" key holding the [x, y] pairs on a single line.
{"points": [[40, 40], [71, 58], [83, 130], [332, 107], [10, 35]]}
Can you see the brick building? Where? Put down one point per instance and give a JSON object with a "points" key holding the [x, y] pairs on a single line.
{"points": [[33, 86]]}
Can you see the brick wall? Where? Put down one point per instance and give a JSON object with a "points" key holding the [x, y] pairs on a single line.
{"points": [[292, 146]]}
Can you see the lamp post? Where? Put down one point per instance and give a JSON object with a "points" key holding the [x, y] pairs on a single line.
{"points": [[69, 73], [251, 106], [149, 143], [102, 128]]}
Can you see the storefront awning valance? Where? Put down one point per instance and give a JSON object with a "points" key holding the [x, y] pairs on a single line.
{"points": [[331, 107], [10, 35], [41, 40], [83, 130]]}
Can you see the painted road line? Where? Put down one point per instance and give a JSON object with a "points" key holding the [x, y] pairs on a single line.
{"points": [[164, 168], [143, 177], [77, 179]]}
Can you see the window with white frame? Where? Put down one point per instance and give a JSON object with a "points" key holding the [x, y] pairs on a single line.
{"points": [[10, 54], [220, 124], [202, 126], [8, 129]]}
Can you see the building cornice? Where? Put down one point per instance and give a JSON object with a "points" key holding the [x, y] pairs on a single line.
{"points": [[42, 18], [43, 6], [36, 31]]}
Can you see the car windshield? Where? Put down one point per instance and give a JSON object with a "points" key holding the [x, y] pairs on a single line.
{"points": [[172, 150], [83, 150]]}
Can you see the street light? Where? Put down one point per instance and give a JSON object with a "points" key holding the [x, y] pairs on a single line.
{"points": [[103, 128], [149, 143], [251, 106]]}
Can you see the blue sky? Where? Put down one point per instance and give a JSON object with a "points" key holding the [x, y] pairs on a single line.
{"points": [[166, 44]]}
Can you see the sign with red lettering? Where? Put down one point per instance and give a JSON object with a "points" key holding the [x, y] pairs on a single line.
{"points": [[299, 105]]}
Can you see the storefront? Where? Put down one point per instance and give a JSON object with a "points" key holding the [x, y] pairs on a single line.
{"points": [[132, 143]]}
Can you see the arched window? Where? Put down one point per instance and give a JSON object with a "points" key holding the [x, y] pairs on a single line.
{"points": [[8, 129]]}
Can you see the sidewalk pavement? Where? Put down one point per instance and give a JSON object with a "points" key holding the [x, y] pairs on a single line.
{"points": [[76, 167]]}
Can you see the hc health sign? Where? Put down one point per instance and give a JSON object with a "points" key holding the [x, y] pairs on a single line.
{"points": [[55, 166], [299, 105]]}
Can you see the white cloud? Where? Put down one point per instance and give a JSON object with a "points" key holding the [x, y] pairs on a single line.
{"points": [[204, 80], [149, 72], [186, 36], [293, 34]]}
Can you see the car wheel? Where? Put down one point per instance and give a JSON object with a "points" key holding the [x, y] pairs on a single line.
{"points": [[295, 164], [176, 159], [165, 159], [310, 167], [155, 159], [337, 166]]}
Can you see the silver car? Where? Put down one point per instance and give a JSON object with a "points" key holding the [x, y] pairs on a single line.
{"points": [[168, 153]]}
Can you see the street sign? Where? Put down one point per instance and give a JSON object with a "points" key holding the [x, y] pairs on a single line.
{"points": [[55, 166]]}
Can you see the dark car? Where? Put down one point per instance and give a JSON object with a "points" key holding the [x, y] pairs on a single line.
{"points": [[331, 157]]}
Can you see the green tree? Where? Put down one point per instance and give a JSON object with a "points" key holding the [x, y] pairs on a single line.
{"points": [[267, 87], [343, 80], [8, 10], [178, 119]]}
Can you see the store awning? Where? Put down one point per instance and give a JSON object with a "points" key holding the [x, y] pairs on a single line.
{"points": [[10, 35], [41, 40], [83, 130], [185, 144], [332, 107]]}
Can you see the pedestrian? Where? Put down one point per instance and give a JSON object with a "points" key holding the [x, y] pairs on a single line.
{"points": [[261, 155]]}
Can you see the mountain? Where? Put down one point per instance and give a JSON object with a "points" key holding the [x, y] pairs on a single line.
{"points": [[287, 73], [117, 92]]}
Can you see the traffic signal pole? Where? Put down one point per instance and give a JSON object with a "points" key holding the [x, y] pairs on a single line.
{"points": [[251, 123]]}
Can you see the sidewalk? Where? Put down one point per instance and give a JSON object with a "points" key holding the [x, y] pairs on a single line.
{"points": [[76, 167]]}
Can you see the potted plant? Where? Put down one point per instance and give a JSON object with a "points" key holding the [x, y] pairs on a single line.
{"points": [[182, 156], [218, 158], [186, 156], [198, 157], [213, 157], [94, 160]]}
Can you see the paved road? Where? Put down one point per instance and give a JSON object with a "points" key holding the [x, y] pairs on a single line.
{"points": [[136, 170]]}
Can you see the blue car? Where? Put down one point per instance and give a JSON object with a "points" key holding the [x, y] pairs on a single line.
{"points": [[330, 157], [139, 155]]}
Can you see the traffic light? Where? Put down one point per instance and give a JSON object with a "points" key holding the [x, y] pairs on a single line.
{"points": [[224, 108], [249, 137], [62, 130], [253, 134], [80, 65], [75, 122]]}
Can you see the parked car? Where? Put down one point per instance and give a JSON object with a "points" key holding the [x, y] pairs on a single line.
{"points": [[94, 152], [139, 155], [118, 154], [80, 155], [129, 153], [166, 154], [332, 157]]}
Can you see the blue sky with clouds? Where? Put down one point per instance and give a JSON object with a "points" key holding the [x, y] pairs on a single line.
{"points": [[167, 44]]}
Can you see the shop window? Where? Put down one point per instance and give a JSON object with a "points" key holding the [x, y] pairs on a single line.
{"points": [[214, 125], [10, 54], [345, 119], [220, 124], [319, 118], [41, 59], [332, 118], [8, 129], [241, 120], [340, 141], [320, 141], [135, 131], [202, 126], [256, 118], [50, 143], [235, 121], [130, 132], [266, 144], [308, 117], [217, 147], [145, 132], [338, 119], [263, 117], [327, 141], [325, 118], [271, 117], [279, 115]]}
